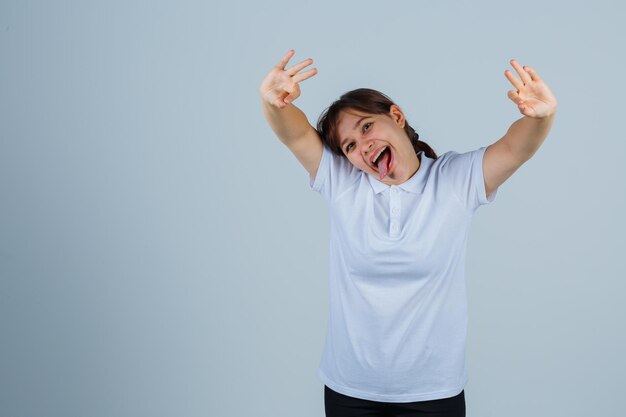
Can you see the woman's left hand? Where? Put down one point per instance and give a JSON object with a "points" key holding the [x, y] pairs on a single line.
{"points": [[533, 97]]}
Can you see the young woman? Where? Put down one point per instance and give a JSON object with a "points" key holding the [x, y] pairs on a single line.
{"points": [[400, 217]]}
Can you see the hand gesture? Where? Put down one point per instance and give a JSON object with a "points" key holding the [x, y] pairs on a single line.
{"points": [[533, 97], [280, 86]]}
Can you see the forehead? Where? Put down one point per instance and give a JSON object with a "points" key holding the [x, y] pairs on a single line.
{"points": [[348, 118]]}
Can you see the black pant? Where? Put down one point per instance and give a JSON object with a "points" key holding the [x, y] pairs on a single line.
{"points": [[339, 405]]}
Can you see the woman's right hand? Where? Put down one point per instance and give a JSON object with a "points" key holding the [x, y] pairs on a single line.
{"points": [[280, 86]]}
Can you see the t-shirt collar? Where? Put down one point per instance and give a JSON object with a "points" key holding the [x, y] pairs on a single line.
{"points": [[414, 185]]}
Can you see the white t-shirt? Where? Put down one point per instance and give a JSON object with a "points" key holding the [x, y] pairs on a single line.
{"points": [[398, 310]]}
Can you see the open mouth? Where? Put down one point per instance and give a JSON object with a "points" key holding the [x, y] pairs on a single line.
{"points": [[383, 161]]}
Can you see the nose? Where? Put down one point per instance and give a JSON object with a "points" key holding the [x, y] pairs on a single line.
{"points": [[368, 147]]}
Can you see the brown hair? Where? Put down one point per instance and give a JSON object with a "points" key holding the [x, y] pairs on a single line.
{"points": [[365, 100]]}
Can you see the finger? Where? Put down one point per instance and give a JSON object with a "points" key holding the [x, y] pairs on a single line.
{"points": [[286, 58], [294, 94], [279, 103], [296, 68], [305, 75], [516, 83], [514, 97], [522, 74], [524, 108], [532, 73]]}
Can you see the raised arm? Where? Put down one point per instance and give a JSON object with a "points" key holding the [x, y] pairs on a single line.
{"points": [[278, 90], [538, 105]]}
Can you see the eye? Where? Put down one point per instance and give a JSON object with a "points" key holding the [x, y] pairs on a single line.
{"points": [[349, 147], [366, 126]]}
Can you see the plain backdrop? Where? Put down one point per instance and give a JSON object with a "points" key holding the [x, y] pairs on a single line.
{"points": [[161, 253]]}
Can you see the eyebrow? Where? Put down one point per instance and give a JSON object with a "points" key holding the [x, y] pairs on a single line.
{"points": [[358, 122]]}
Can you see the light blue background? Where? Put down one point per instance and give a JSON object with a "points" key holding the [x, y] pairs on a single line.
{"points": [[161, 253]]}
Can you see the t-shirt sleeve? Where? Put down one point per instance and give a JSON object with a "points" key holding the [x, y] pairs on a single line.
{"points": [[464, 172], [334, 175]]}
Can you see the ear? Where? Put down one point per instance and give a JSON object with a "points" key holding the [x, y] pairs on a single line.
{"points": [[397, 116]]}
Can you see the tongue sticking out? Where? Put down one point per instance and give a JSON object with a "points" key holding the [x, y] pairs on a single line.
{"points": [[383, 164]]}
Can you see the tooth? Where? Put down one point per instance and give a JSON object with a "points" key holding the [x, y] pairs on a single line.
{"points": [[379, 153]]}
